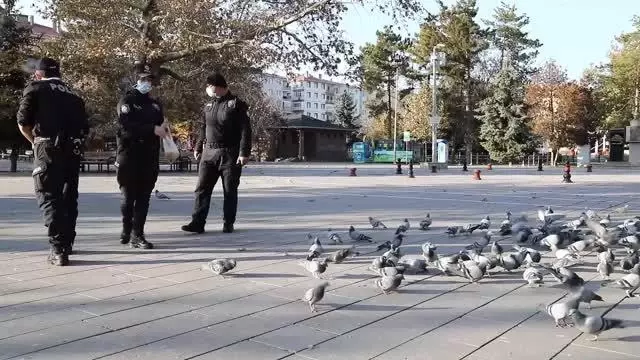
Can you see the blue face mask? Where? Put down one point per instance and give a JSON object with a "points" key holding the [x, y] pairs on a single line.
{"points": [[143, 86]]}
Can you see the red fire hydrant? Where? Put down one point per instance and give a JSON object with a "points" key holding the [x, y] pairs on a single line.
{"points": [[476, 174], [352, 172]]}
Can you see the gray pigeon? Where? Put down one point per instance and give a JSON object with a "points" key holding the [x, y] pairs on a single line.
{"points": [[389, 283], [314, 295], [629, 261], [605, 254], [533, 276], [471, 270], [162, 196], [581, 245], [604, 269], [496, 249], [316, 248], [479, 245], [357, 236], [560, 311], [606, 221], [426, 222], [315, 266], [340, 255], [508, 262], [630, 243], [594, 325], [429, 252], [334, 237], [391, 270], [585, 295], [485, 223], [415, 265], [629, 282], [395, 243], [220, 266], [376, 224], [565, 277], [404, 227]]}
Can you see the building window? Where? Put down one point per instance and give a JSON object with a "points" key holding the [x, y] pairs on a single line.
{"points": [[308, 84], [308, 94], [308, 105], [315, 105], [315, 85], [324, 116], [322, 106], [315, 95], [323, 97], [315, 115], [323, 87]]}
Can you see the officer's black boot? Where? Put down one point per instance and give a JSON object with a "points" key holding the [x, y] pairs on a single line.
{"points": [[227, 228], [72, 239], [125, 235], [57, 255], [193, 227], [139, 241]]}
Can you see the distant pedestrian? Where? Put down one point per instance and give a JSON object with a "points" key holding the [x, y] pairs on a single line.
{"points": [[223, 147], [53, 118]]}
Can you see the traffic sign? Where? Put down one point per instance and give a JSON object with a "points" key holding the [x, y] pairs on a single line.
{"points": [[407, 136]]}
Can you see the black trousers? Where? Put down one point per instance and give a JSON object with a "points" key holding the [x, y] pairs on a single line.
{"points": [[136, 181], [215, 164], [55, 177]]}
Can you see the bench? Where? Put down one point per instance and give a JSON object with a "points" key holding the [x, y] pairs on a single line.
{"points": [[101, 160], [183, 163]]}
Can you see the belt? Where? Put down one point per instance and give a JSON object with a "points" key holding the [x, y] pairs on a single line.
{"points": [[214, 145]]}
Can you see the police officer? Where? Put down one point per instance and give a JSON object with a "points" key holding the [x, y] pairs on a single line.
{"points": [[53, 118], [141, 126], [223, 146]]}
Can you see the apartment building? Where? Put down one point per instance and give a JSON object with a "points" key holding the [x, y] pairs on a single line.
{"points": [[311, 96]]}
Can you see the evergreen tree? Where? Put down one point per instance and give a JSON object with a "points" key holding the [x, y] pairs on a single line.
{"points": [[346, 113], [15, 42], [505, 131]]}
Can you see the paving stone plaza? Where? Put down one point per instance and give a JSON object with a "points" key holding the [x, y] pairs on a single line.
{"points": [[117, 303]]}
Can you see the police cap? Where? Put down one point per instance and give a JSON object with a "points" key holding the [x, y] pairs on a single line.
{"points": [[216, 79], [143, 71], [48, 65]]}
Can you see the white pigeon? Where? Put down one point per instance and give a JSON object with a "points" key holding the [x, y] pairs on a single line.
{"points": [[533, 276], [220, 266], [316, 248], [622, 210], [315, 266], [560, 311], [162, 196], [314, 295], [606, 221], [334, 237], [485, 223]]}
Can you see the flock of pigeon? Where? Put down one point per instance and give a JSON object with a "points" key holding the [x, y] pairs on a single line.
{"points": [[567, 241]]}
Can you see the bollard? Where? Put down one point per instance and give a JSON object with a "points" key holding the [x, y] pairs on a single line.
{"points": [[411, 169], [476, 175], [566, 176], [352, 172], [464, 166], [589, 168], [489, 166], [434, 169], [539, 164], [399, 167]]}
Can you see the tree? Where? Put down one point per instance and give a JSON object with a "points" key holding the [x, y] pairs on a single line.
{"points": [[464, 40], [185, 40], [512, 43], [417, 108], [505, 131], [382, 64], [345, 115], [15, 44]]}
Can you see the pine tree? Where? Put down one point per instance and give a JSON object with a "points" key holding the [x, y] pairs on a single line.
{"points": [[345, 115], [15, 41], [505, 131]]}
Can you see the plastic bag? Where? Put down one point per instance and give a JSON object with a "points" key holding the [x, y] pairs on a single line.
{"points": [[171, 151]]}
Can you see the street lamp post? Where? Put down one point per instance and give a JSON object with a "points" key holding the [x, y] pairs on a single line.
{"points": [[395, 118], [437, 60]]}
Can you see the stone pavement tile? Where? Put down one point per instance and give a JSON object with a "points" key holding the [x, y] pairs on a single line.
{"points": [[21, 286], [34, 341], [592, 353], [42, 306], [297, 290], [40, 321], [294, 338], [116, 341], [139, 315], [516, 343], [299, 311], [246, 350], [133, 286], [233, 290], [244, 306], [200, 341], [279, 274], [424, 348]]}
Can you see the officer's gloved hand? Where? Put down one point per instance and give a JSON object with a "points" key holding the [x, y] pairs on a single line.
{"points": [[196, 155]]}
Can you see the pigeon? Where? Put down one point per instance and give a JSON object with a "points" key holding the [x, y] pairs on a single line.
{"points": [[468, 229], [485, 223], [560, 311], [551, 241], [594, 325], [606, 221], [391, 270], [605, 254], [564, 253], [574, 224], [376, 224], [357, 236], [162, 196], [508, 262], [629, 261], [415, 265], [471, 270], [334, 237], [429, 252], [404, 227], [605, 269], [453, 230], [630, 243], [425, 223], [393, 256], [479, 245], [622, 210], [580, 246], [629, 282], [315, 266], [591, 215], [389, 283], [565, 277], [397, 241], [340, 255], [220, 266], [316, 248], [585, 295], [496, 249], [314, 295], [531, 255], [533, 276]]}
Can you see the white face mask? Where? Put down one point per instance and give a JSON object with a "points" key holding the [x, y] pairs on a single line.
{"points": [[210, 92]]}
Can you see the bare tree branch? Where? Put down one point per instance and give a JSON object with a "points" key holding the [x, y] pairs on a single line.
{"points": [[305, 46], [177, 55]]}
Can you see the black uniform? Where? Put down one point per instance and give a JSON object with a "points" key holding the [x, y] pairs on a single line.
{"points": [[225, 134], [60, 124], [137, 161]]}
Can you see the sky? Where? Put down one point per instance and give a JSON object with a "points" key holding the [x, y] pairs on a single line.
{"points": [[575, 33]]}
